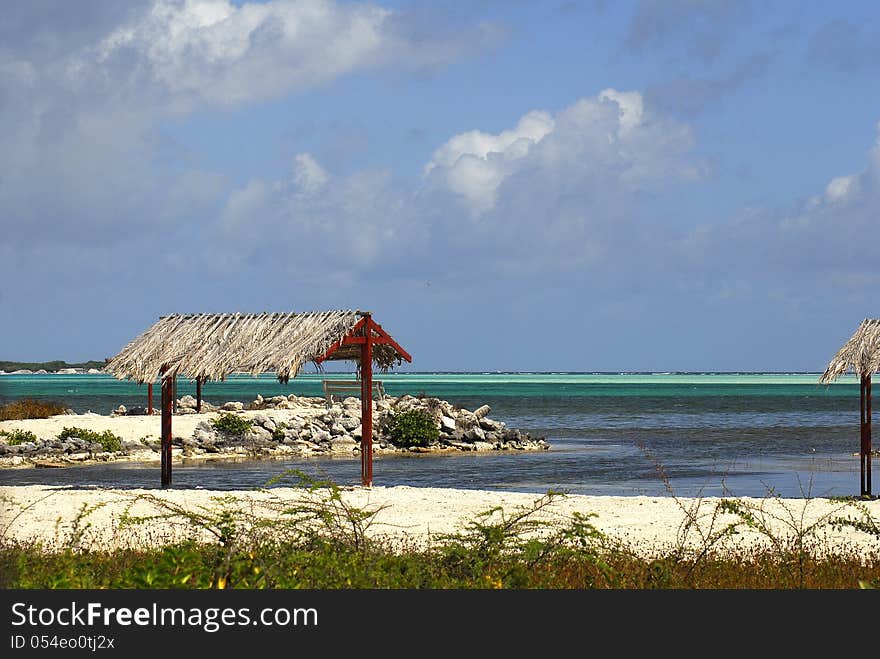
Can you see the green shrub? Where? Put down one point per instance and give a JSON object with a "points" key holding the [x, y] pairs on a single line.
{"points": [[106, 439], [412, 428], [15, 436], [278, 434], [232, 423], [28, 408]]}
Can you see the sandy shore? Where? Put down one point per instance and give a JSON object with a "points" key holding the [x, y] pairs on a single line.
{"points": [[57, 516], [140, 434], [129, 428], [54, 515]]}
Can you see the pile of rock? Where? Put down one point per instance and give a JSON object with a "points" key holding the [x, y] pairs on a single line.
{"points": [[47, 452], [307, 426], [288, 426]]}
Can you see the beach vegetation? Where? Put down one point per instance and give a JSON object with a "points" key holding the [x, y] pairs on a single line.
{"points": [[501, 549], [29, 408], [415, 427], [17, 436], [278, 434], [233, 424], [316, 539], [107, 439]]}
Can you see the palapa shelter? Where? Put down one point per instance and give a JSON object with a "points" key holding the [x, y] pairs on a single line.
{"points": [[861, 355], [205, 347]]}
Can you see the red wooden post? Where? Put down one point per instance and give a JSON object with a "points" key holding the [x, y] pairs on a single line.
{"points": [[150, 398], [868, 435], [167, 407], [367, 405], [862, 434], [198, 394], [362, 334]]}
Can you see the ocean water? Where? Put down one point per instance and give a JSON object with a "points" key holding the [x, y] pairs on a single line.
{"points": [[658, 434]]}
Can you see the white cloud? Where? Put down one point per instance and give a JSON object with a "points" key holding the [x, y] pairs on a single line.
{"points": [[213, 52], [84, 92], [245, 206], [840, 188], [311, 219], [823, 234], [475, 163], [308, 175], [631, 107], [603, 146], [553, 193]]}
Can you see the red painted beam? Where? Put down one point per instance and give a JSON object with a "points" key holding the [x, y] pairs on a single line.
{"points": [[353, 338], [167, 410], [868, 436], [376, 340], [367, 410], [150, 398], [338, 344], [386, 339], [863, 427]]}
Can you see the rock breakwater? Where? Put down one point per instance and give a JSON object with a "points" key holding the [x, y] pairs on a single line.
{"points": [[276, 427]]}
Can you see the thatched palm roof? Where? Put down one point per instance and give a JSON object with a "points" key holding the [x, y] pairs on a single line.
{"points": [[212, 346], [861, 354]]}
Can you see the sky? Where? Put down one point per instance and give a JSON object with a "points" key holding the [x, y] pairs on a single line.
{"points": [[648, 185]]}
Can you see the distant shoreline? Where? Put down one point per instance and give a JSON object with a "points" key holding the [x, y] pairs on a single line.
{"points": [[50, 366]]}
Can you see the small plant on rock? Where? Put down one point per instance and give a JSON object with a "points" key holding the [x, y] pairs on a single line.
{"points": [[15, 436], [108, 441], [414, 427], [232, 424]]}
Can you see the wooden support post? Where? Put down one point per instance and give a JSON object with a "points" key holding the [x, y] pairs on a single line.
{"points": [[868, 435], [367, 406], [167, 409], [150, 398], [862, 434], [862, 430], [362, 334], [198, 395], [174, 394]]}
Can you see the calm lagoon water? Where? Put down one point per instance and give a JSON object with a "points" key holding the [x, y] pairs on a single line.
{"points": [[735, 434]]}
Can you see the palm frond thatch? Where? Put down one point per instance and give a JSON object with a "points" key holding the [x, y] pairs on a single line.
{"points": [[861, 354], [212, 346]]}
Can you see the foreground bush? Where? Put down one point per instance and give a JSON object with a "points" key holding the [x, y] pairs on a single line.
{"points": [[325, 564], [28, 408]]}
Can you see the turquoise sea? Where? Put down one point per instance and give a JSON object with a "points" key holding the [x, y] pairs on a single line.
{"points": [[709, 434]]}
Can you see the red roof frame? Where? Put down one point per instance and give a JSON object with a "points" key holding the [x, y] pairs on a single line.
{"points": [[358, 336]]}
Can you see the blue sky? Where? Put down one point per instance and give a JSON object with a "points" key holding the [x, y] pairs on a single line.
{"points": [[586, 186]]}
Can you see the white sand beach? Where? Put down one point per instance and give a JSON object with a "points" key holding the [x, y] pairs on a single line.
{"points": [[54, 515], [57, 516]]}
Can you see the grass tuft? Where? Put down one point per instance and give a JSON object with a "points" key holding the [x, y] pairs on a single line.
{"points": [[28, 408], [16, 436]]}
